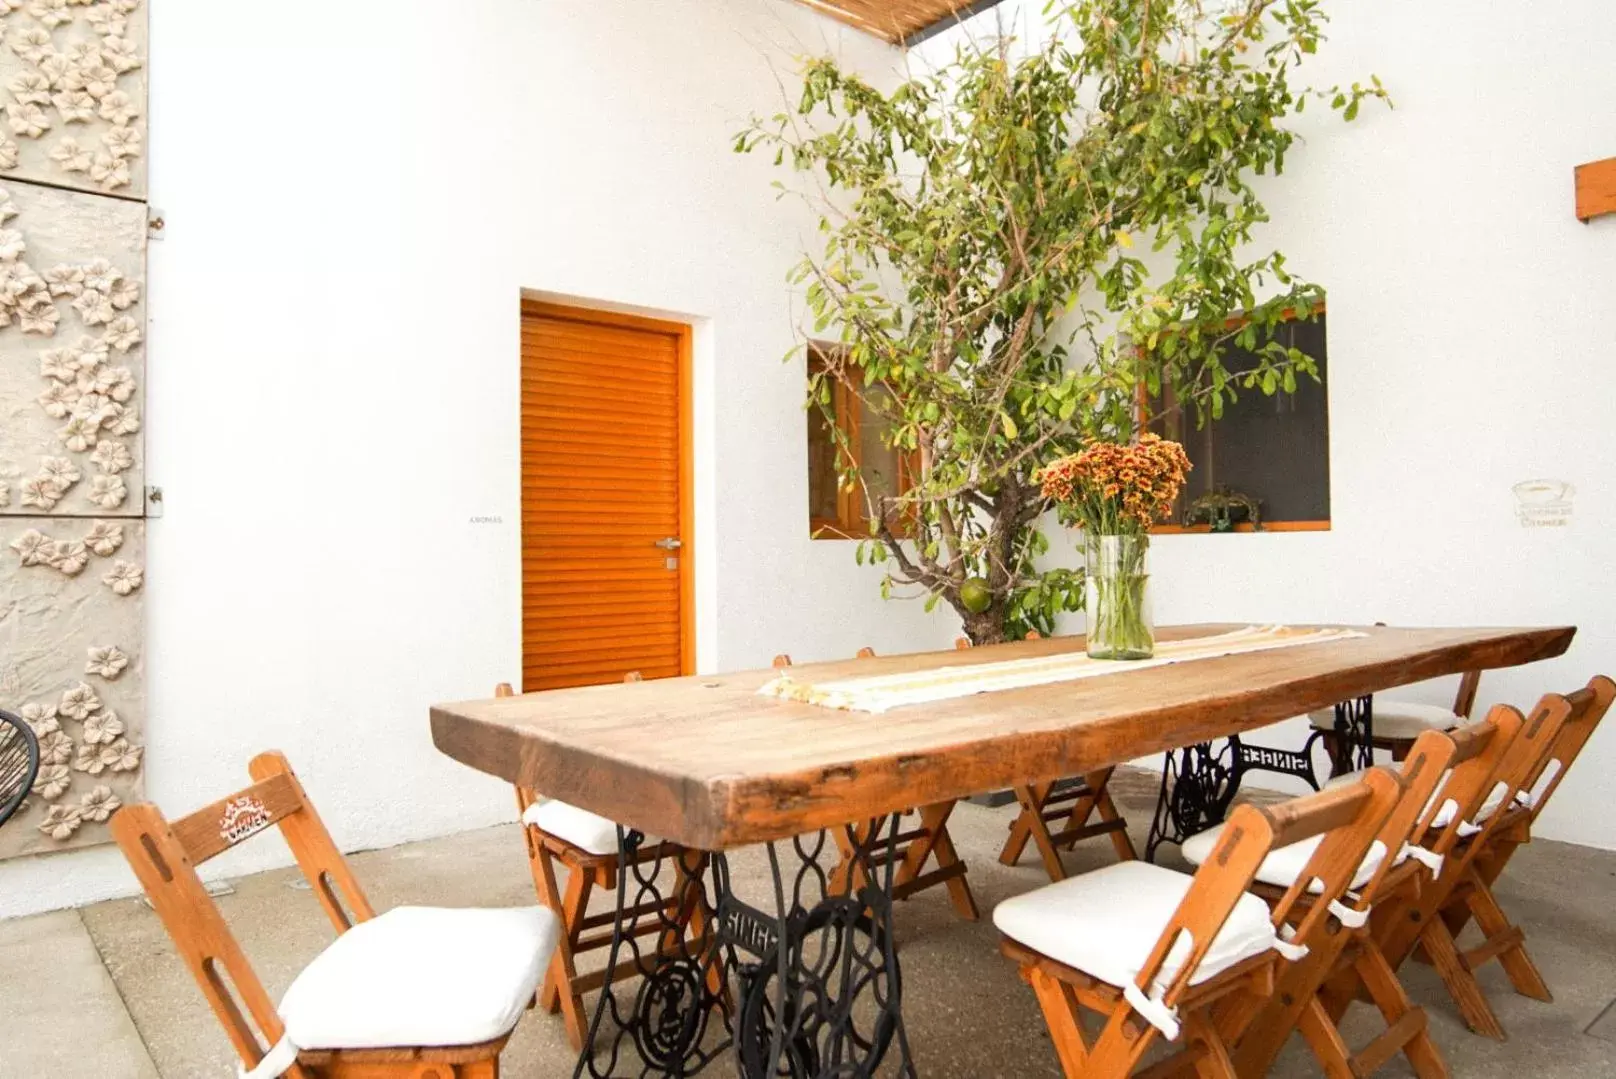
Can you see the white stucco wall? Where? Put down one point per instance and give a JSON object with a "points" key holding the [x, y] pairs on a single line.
{"points": [[356, 194], [1472, 328], [1472, 322]]}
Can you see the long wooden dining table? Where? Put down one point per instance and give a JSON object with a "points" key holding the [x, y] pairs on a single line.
{"points": [[708, 763]]}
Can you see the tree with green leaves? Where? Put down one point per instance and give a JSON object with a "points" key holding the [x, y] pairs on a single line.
{"points": [[1025, 243]]}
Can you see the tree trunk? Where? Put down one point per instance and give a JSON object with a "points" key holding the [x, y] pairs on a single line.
{"points": [[987, 627]]}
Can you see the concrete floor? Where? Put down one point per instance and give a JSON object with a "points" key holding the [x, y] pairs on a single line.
{"points": [[108, 999]]}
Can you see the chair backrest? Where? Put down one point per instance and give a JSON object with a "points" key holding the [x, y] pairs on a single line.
{"points": [[1349, 816], [1588, 707], [164, 855], [1349, 829], [1513, 751], [1531, 753], [1422, 773]]}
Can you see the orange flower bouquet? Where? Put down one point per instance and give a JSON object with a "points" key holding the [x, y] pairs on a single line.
{"points": [[1115, 492]]}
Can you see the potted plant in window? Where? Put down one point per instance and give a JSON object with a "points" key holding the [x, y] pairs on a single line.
{"points": [[1115, 492]]}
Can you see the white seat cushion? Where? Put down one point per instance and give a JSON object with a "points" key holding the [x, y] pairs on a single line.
{"points": [[1444, 816], [421, 976], [1107, 922], [1495, 799], [581, 828], [1397, 719], [1283, 866], [1530, 798]]}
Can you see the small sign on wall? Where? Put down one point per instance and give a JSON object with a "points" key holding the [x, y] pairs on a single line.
{"points": [[1543, 503]]}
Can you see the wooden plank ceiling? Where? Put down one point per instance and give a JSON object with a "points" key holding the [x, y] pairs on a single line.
{"points": [[902, 22]]}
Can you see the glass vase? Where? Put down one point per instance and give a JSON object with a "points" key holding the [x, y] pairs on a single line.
{"points": [[1117, 592]]}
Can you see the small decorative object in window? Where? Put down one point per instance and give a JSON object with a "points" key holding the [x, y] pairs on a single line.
{"points": [[1115, 493], [1219, 509]]}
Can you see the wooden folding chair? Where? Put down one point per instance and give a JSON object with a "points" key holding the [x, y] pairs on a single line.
{"points": [[1347, 952], [1075, 800], [460, 977], [1467, 811], [1396, 724], [1473, 897], [912, 848], [586, 846], [1111, 941]]}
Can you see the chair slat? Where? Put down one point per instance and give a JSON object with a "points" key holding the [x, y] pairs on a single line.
{"points": [[214, 829], [1304, 818]]}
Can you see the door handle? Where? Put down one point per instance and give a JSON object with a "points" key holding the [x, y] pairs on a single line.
{"points": [[669, 543]]}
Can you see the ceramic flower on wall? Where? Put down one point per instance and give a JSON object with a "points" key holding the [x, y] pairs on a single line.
{"points": [[61, 365], [42, 493], [64, 280], [53, 780], [79, 702], [108, 662], [120, 756], [74, 106], [94, 308], [37, 316], [123, 333], [61, 821], [118, 108], [33, 547], [57, 400], [60, 469], [32, 43], [71, 157], [121, 419], [99, 805], [89, 760], [30, 121], [78, 434], [104, 539], [69, 558], [124, 293], [52, 13], [41, 718], [124, 577], [108, 492], [103, 729], [55, 748], [112, 457]]}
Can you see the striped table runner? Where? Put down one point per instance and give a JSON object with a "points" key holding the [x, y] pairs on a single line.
{"points": [[880, 693]]}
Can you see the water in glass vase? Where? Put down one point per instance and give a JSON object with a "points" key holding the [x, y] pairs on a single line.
{"points": [[1118, 597]]}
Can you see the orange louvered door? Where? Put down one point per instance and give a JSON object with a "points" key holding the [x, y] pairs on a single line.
{"points": [[606, 576]]}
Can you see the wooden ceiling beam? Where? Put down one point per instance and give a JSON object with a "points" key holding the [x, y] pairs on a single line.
{"points": [[900, 22]]}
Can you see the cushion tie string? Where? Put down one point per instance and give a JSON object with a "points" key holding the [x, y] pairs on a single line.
{"points": [[1352, 919], [1430, 859], [1286, 945], [1152, 1010], [281, 1057], [1468, 829]]}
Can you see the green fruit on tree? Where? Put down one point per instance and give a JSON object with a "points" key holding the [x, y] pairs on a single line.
{"points": [[975, 595]]}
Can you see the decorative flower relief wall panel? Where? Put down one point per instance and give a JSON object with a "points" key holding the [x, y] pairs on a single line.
{"points": [[72, 363], [72, 664], [72, 375], [74, 83]]}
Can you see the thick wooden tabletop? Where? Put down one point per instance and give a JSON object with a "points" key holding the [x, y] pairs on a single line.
{"points": [[708, 762]]}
